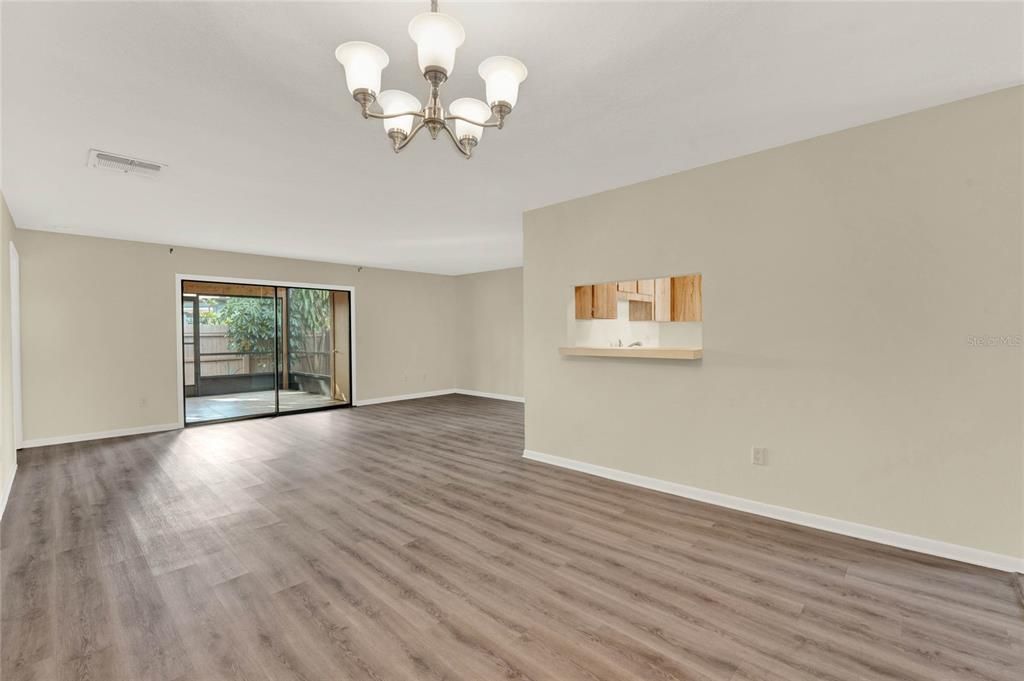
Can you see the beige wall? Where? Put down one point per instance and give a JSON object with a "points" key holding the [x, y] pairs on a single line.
{"points": [[7, 452], [490, 332], [80, 376], [843, 277]]}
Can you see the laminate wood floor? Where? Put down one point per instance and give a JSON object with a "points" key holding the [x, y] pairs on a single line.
{"points": [[411, 541]]}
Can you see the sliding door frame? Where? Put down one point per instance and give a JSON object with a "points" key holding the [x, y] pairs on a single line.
{"points": [[351, 344], [179, 278]]}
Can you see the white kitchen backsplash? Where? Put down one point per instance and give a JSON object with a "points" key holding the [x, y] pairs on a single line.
{"points": [[601, 333], [681, 334]]}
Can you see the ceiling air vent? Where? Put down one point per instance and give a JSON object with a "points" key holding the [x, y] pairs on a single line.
{"points": [[126, 165]]}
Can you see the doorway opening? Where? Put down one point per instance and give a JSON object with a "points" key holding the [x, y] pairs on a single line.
{"points": [[251, 350]]}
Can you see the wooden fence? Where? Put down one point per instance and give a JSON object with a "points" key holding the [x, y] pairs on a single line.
{"points": [[213, 338]]}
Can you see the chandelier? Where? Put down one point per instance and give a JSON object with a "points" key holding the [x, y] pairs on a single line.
{"points": [[437, 36]]}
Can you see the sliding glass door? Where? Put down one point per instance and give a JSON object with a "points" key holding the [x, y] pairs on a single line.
{"points": [[253, 350], [314, 365]]}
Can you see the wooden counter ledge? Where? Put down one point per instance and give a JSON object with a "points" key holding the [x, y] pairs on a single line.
{"points": [[637, 352]]}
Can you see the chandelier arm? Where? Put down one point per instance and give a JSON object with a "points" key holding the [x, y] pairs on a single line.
{"points": [[488, 124], [412, 133], [458, 145], [384, 117]]}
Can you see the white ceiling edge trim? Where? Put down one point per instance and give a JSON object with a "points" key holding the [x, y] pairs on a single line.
{"points": [[878, 535]]}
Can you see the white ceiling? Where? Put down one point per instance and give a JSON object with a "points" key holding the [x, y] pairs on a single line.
{"points": [[268, 154]]}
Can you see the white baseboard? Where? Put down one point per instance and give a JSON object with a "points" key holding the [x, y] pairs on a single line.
{"points": [[878, 535], [6, 493], [399, 398], [490, 396], [84, 437], [436, 393]]}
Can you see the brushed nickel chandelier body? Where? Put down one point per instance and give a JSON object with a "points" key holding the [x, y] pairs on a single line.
{"points": [[437, 36]]}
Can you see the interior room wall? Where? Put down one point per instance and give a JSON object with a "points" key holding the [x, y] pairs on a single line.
{"points": [[490, 332], [8, 456], [99, 328], [862, 321]]}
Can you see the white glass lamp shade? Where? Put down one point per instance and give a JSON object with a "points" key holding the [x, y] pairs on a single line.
{"points": [[397, 101], [363, 63], [437, 36], [502, 76], [474, 110]]}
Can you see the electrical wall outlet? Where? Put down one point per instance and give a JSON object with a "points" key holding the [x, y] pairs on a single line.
{"points": [[759, 456]]}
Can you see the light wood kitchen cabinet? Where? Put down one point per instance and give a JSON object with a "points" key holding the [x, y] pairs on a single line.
{"points": [[636, 290], [641, 311], [599, 301], [687, 303], [641, 303], [584, 302], [606, 301], [668, 299], [663, 299]]}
